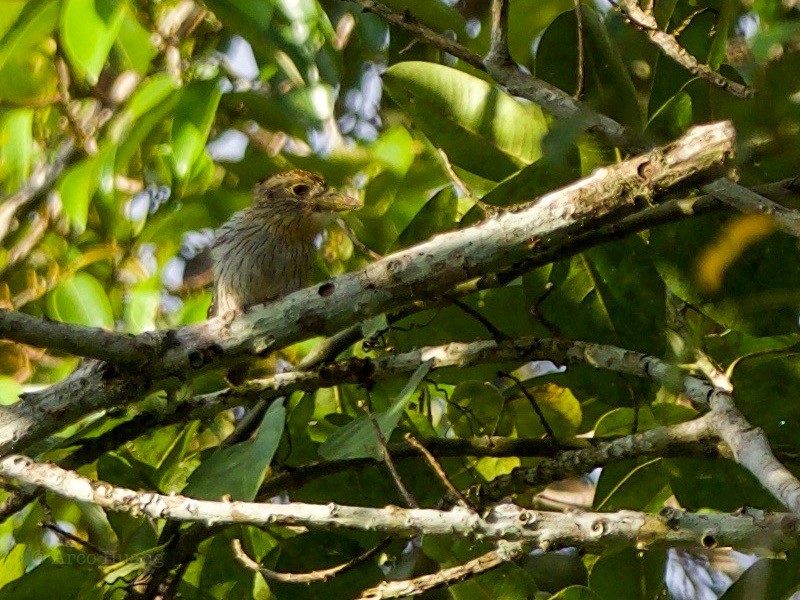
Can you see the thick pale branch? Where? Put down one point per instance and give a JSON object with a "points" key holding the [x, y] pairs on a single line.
{"points": [[671, 48], [397, 280], [592, 531]]}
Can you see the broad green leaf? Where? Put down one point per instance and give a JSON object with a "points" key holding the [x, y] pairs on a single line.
{"points": [[12, 565], [88, 30], [16, 147], [608, 294], [672, 119], [10, 390], [560, 408], [438, 214], [759, 290], [194, 116], [22, 57], [76, 188], [81, 299], [36, 22], [606, 81], [135, 43], [575, 592], [358, 438], [51, 580], [237, 471], [633, 486], [767, 578], [538, 178], [249, 19], [141, 309], [482, 129], [628, 574], [475, 409]]}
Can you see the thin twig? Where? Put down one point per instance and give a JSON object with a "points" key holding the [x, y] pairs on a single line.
{"points": [[498, 335], [437, 468], [311, 577], [505, 552], [579, 23], [532, 400], [387, 459], [488, 209], [356, 242], [74, 538]]}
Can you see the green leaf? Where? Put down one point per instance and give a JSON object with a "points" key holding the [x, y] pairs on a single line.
{"points": [[610, 294], [16, 147], [135, 43], [628, 574], [36, 22], [10, 389], [50, 580], [81, 300], [482, 129], [767, 578], [606, 81], [22, 59], [536, 179], [358, 438], [76, 188], [194, 116], [475, 409], [759, 290], [237, 471], [672, 119], [88, 31], [575, 592]]}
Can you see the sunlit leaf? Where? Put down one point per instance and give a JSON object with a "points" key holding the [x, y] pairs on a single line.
{"points": [[481, 128], [82, 300], [193, 118], [88, 30], [358, 438], [237, 471]]}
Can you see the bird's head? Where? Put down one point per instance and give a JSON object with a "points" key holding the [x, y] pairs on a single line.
{"points": [[301, 192]]}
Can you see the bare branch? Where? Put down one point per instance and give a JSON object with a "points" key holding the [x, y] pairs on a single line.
{"points": [[505, 552], [93, 342], [750, 202], [592, 531], [306, 578], [393, 282], [534, 404], [410, 24], [438, 470], [669, 45], [387, 460], [560, 104], [498, 49]]}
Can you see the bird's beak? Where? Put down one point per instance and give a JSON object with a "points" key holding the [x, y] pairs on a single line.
{"points": [[334, 201]]}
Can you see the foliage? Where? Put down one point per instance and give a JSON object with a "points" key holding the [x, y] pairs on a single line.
{"points": [[336, 90]]}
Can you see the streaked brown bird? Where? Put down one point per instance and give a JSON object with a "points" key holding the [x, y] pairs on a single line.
{"points": [[267, 250]]}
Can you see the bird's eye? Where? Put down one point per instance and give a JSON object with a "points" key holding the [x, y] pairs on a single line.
{"points": [[301, 189]]}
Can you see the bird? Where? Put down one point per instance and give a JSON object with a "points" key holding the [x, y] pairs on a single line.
{"points": [[267, 250]]}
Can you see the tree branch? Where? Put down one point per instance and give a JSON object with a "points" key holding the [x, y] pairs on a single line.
{"points": [[667, 43], [397, 280], [505, 552], [92, 342], [306, 578], [592, 531]]}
